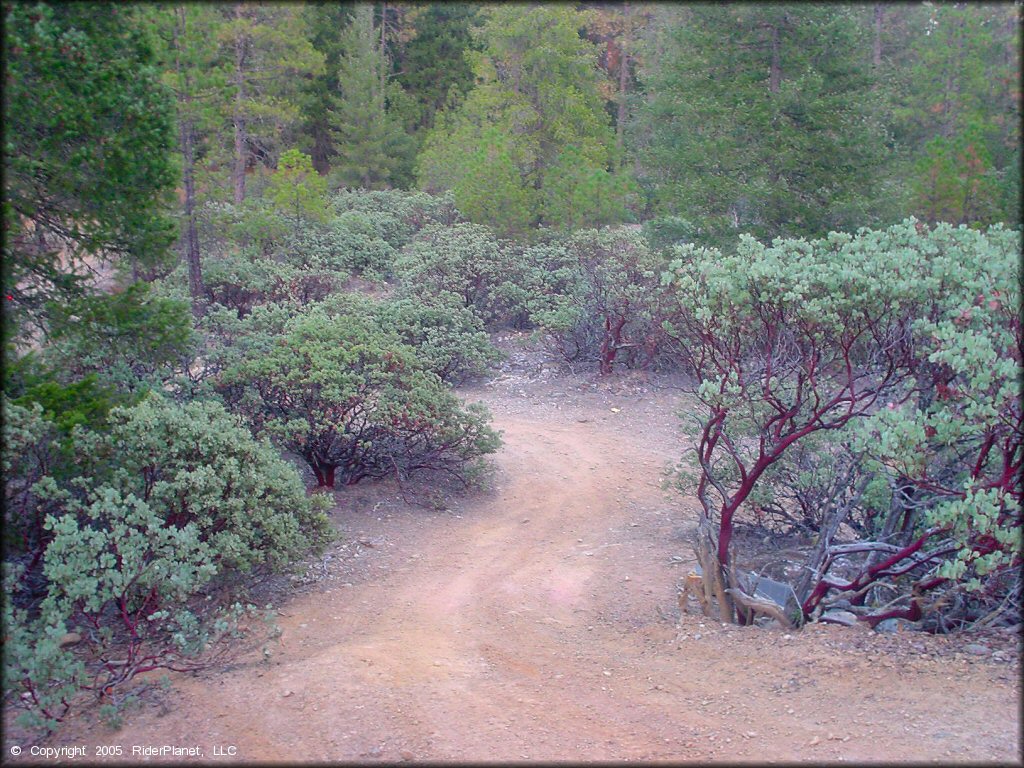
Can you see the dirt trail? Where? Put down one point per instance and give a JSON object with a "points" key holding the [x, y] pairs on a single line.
{"points": [[538, 621]]}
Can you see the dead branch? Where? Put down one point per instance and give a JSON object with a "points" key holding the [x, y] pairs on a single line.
{"points": [[755, 606]]}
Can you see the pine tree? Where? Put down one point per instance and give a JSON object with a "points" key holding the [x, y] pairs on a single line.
{"points": [[538, 89], [371, 145], [266, 53], [433, 66], [188, 57], [758, 122], [958, 112], [88, 134]]}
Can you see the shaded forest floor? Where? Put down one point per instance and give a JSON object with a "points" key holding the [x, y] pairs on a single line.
{"points": [[537, 620]]}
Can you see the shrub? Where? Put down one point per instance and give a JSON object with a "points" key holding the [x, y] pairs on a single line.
{"points": [[243, 281], [129, 341], [398, 214], [346, 395], [31, 450], [597, 294], [225, 228], [448, 338], [357, 236], [902, 332], [167, 504], [464, 263], [311, 248]]}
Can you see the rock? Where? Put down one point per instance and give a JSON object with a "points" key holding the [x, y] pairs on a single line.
{"points": [[892, 625], [71, 638], [845, 618], [976, 649], [841, 604], [286, 694], [406, 755], [697, 636]]}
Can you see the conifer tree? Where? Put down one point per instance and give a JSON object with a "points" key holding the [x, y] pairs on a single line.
{"points": [[371, 145]]}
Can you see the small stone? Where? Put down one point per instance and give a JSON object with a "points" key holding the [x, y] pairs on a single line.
{"points": [[844, 618], [889, 625], [525, 520], [286, 694], [975, 649], [406, 755], [697, 636], [71, 638], [814, 742]]}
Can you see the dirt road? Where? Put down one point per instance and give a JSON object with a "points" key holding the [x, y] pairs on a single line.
{"points": [[538, 621]]}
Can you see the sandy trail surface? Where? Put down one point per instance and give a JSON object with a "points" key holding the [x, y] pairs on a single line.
{"points": [[538, 620]]}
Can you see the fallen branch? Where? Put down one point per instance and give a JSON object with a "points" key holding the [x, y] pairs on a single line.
{"points": [[756, 606]]}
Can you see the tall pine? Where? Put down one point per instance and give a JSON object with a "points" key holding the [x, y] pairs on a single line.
{"points": [[536, 115], [758, 121], [371, 146]]}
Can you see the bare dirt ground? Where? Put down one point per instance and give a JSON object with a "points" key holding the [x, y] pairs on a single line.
{"points": [[538, 620]]}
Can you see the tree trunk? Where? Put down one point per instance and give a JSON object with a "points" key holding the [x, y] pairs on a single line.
{"points": [[241, 152], [383, 57], [951, 99], [610, 344], [620, 120], [775, 73], [187, 136], [323, 473], [876, 54], [192, 257]]}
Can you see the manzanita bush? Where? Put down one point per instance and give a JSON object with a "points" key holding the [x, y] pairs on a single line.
{"points": [[904, 346], [596, 294], [465, 263], [333, 386], [162, 508]]}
